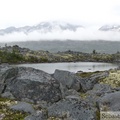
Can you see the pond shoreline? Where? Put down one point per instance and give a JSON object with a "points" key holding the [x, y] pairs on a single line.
{"points": [[71, 66]]}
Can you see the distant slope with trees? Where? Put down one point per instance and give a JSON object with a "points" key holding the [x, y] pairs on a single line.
{"points": [[80, 46], [15, 54]]}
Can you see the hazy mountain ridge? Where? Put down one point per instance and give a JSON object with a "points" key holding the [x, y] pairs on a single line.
{"points": [[59, 30], [74, 45], [110, 28], [43, 27], [54, 26]]}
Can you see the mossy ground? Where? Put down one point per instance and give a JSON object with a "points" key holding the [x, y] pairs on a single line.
{"points": [[54, 118], [113, 79], [87, 74], [83, 95], [15, 54], [6, 113], [98, 115]]}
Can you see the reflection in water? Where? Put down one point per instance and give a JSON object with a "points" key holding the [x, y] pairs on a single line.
{"points": [[73, 67]]}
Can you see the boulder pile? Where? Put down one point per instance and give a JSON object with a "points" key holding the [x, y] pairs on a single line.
{"points": [[59, 96]]}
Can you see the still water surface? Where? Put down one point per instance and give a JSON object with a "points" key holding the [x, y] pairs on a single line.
{"points": [[73, 67]]}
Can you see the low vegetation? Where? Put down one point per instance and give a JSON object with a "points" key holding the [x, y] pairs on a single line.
{"points": [[113, 79], [87, 74], [10, 57], [15, 54], [6, 113]]}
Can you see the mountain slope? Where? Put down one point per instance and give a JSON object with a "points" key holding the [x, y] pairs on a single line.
{"points": [[110, 28], [81, 46], [43, 27]]}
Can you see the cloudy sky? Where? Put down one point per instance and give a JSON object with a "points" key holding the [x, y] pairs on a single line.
{"points": [[28, 12], [88, 13]]}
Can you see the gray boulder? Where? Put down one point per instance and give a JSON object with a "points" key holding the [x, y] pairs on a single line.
{"points": [[72, 108], [110, 102], [98, 90], [89, 82], [23, 107], [72, 94], [4, 71], [67, 79], [32, 85], [7, 95]]}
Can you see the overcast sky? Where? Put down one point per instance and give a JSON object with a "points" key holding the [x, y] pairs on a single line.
{"points": [[92, 14], [86, 12]]}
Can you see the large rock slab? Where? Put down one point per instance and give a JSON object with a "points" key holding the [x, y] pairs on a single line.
{"points": [[110, 102], [68, 79], [5, 72], [97, 92], [32, 85], [89, 82], [73, 109]]}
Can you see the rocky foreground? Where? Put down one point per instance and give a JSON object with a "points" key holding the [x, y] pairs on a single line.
{"points": [[31, 94]]}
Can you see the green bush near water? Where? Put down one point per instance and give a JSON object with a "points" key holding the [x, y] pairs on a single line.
{"points": [[10, 57]]}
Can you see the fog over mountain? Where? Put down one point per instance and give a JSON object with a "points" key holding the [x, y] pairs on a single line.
{"points": [[43, 27], [59, 30], [114, 27]]}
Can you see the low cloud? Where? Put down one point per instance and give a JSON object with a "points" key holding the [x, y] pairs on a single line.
{"points": [[80, 34]]}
